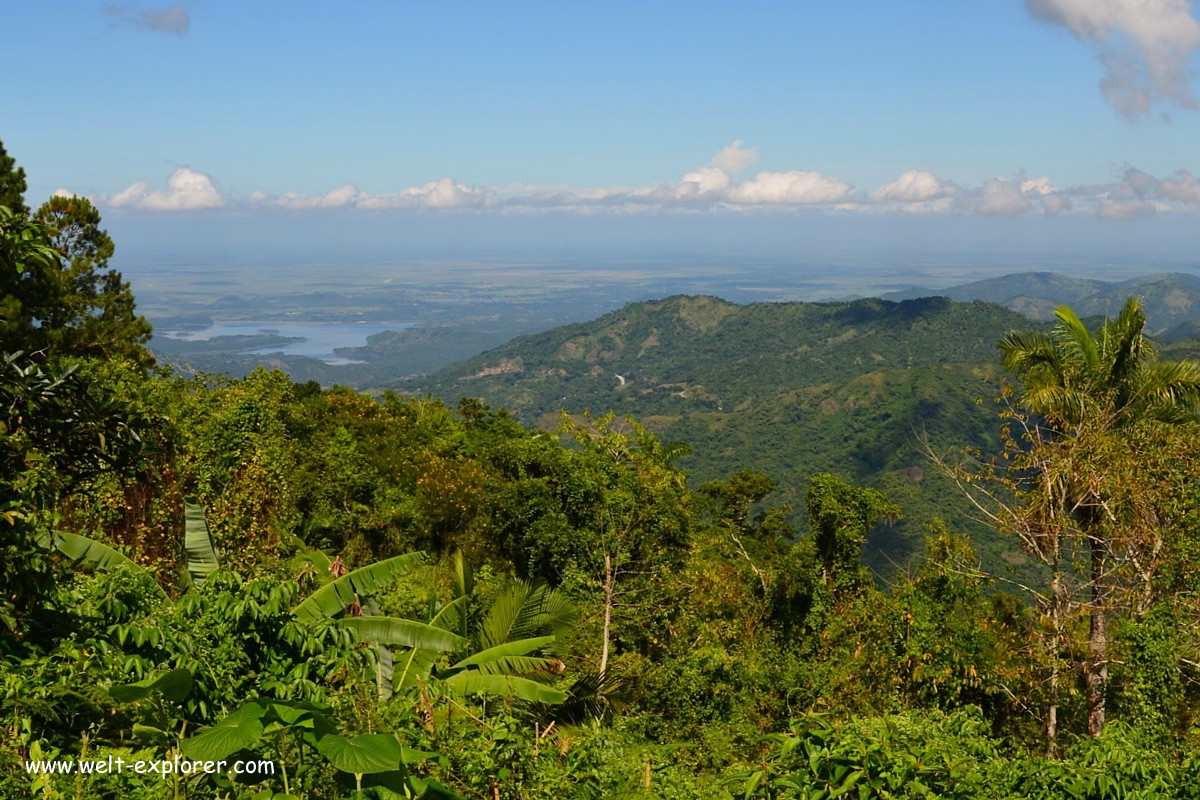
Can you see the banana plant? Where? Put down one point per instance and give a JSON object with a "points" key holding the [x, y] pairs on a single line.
{"points": [[345, 598], [505, 649]]}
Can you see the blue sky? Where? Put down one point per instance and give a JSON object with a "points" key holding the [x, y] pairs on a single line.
{"points": [[994, 108]]}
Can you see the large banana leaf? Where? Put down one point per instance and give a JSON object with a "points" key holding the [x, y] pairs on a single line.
{"points": [[507, 658], [384, 665], [402, 632], [82, 551], [331, 600], [202, 557], [417, 662], [464, 589], [475, 682]]}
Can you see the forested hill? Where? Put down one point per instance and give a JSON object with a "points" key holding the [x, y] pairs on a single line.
{"points": [[1171, 299], [791, 389]]}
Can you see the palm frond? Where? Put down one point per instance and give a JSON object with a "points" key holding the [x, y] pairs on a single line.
{"points": [[1168, 391], [1127, 344], [594, 695], [1058, 403], [1030, 350], [509, 616], [1074, 334]]}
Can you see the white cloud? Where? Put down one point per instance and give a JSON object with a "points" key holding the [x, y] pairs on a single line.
{"points": [[712, 187], [444, 194], [1183, 187], [1001, 198], [335, 198], [734, 158], [914, 186], [187, 190], [704, 182], [1037, 186], [792, 188], [1146, 47]]}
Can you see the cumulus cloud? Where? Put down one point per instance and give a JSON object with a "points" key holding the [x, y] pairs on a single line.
{"points": [[1183, 188], [172, 19], [703, 182], [715, 187], [792, 188], [735, 158], [443, 194], [914, 186], [187, 190], [1002, 198], [1037, 186], [1145, 46]]}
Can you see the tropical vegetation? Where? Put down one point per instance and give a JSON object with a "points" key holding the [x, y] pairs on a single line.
{"points": [[322, 594]]}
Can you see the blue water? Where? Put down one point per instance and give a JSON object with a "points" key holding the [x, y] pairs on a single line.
{"points": [[320, 339]]}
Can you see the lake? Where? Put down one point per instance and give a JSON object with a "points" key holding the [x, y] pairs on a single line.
{"points": [[319, 339]]}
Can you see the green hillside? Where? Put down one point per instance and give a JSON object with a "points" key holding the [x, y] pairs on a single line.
{"points": [[791, 389], [1172, 300]]}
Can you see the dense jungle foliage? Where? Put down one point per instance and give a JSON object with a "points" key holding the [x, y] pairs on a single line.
{"points": [[389, 597]]}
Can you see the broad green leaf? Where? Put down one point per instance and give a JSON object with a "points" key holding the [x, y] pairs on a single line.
{"points": [[420, 662], [363, 754], [331, 600], [84, 551], [238, 731], [202, 558], [402, 632], [431, 789], [81, 550], [149, 733], [174, 685], [503, 651], [475, 682]]}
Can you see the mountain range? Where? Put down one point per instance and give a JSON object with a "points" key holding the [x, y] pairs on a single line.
{"points": [[1172, 300]]}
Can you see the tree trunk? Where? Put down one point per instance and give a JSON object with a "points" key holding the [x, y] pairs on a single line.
{"points": [[608, 605], [1055, 646], [1097, 673]]}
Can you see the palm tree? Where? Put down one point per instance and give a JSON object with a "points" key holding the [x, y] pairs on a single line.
{"points": [[1093, 393]]}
